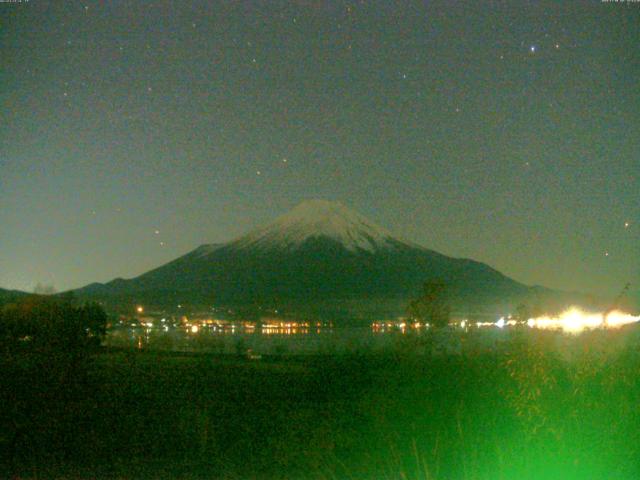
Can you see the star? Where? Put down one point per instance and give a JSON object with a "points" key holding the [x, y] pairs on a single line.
{"points": [[557, 45], [626, 224], [532, 49], [606, 254]]}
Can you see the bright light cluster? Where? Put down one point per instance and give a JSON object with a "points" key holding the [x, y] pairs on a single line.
{"points": [[575, 320]]}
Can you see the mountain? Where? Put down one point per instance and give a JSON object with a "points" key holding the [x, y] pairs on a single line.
{"points": [[319, 219], [9, 296], [320, 258]]}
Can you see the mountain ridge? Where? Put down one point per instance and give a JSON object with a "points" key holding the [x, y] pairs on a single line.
{"points": [[317, 218], [319, 253], [10, 295]]}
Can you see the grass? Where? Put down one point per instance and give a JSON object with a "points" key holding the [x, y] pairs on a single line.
{"points": [[530, 410]]}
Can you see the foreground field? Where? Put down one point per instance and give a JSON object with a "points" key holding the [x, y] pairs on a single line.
{"points": [[526, 412]]}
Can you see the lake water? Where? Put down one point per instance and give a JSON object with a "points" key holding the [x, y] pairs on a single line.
{"points": [[338, 340], [310, 341]]}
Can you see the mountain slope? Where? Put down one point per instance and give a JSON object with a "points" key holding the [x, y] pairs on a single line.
{"points": [[319, 254], [9, 296], [314, 219]]}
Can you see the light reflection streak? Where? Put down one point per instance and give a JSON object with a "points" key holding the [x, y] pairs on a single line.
{"points": [[572, 320], [575, 320]]}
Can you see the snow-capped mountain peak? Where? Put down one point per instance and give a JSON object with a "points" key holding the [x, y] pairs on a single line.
{"points": [[320, 218]]}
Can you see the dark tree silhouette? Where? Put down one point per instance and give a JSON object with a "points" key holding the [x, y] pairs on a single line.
{"points": [[46, 351], [523, 313], [51, 323], [432, 305]]}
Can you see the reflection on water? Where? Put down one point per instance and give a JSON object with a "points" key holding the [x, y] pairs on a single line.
{"points": [[273, 335], [287, 337], [272, 338]]}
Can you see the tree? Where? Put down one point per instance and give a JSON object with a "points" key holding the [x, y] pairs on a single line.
{"points": [[52, 323], [523, 313], [41, 289], [432, 305], [46, 346]]}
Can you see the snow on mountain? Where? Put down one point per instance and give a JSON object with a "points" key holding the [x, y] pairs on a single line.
{"points": [[310, 261], [319, 219]]}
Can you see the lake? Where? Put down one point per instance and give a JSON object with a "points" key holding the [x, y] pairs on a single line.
{"points": [[246, 339]]}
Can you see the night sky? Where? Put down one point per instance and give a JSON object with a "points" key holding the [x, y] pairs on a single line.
{"points": [[507, 132]]}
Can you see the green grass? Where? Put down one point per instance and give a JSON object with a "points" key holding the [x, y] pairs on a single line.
{"points": [[530, 411]]}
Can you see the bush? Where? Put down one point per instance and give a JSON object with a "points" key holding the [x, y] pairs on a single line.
{"points": [[43, 323], [46, 346]]}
